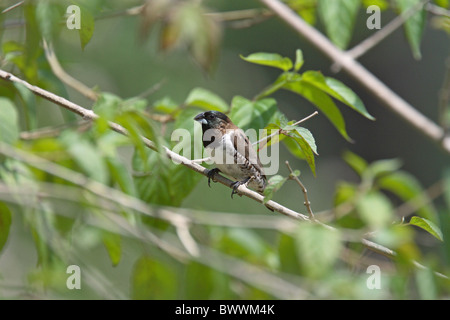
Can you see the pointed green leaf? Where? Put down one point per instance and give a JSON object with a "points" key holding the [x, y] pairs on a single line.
{"points": [[414, 26], [86, 30], [206, 100], [305, 141], [339, 17], [321, 100], [337, 90], [270, 59], [347, 96], [428, 226]]}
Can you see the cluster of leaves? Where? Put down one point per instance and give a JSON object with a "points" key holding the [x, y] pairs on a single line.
{"points": [[339, 17], [314, 87]]}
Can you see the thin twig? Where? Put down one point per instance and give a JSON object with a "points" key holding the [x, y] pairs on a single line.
{"points": [[281, 129], [18, 4], [307, 203]]}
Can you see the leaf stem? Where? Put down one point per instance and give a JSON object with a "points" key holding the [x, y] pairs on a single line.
{"points": [[307, 203]]}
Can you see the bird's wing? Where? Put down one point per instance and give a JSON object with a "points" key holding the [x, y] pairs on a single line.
{"points": [[244, 148]]}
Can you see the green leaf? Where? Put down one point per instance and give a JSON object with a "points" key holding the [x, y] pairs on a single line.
{"points": [[48, 18], [298, 59], [414, 26], [375, 209], [321, 100], [5, 224], [151, 279], [337, 90], [347, 96], [86, 30], [318, 249], [206, 100], [355, 162], [153, 186], [287, 253], [407, 187], [339, 18], [33, 37], [9, 130], [113, 245], [273, 185], [428, 226], [305, 141], [269, 59], [253, 114]]}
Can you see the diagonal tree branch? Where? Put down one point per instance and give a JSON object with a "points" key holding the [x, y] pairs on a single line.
{"points": [[90, 115], [80, 180], [371, 83]]}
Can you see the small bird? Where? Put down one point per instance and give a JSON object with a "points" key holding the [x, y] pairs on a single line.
{"points": [[231, 151]]}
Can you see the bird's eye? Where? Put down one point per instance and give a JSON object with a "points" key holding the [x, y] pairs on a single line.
{"points": [[210, 116]]}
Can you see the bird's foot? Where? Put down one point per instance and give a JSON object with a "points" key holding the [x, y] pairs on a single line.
{"points": [[211, 174], [236, 185]]}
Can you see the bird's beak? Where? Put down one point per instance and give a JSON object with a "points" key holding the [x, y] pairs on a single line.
{"points": [[200, 118]]}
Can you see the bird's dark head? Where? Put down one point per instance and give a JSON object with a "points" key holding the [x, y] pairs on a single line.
{"points": [[213, 120]]}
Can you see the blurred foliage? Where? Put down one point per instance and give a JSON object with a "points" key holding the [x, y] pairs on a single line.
{"points": [[78, 193]]}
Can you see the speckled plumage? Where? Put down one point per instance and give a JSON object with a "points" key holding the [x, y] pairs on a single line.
{"points": [[231, 151]]}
